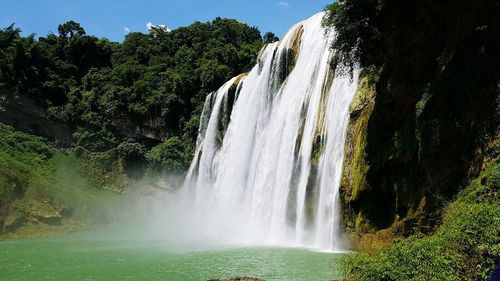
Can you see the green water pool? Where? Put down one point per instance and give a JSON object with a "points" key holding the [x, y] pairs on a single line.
{"points": [[84, 259]]}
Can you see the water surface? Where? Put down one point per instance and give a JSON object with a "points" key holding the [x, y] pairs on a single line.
{"points": [[75, 258]]}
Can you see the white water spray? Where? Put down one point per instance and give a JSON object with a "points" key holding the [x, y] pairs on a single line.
{"points": [[270, 174]]}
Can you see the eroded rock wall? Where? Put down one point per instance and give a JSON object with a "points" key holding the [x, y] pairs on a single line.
{"points": [[425, 119]]}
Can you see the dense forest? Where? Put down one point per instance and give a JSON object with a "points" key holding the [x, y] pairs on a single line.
{"points": [[138, 101]]}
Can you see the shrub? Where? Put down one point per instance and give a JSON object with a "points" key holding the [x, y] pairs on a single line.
{"points": [[465, 247], [168, 157], [356, 35], [28, 149]]}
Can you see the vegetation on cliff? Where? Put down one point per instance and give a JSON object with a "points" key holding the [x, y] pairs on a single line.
{"points": [[465, 247], [424, 123], [435, 110], [122, 99], [45, 190]]}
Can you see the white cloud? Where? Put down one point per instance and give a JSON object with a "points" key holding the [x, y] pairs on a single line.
{"points": [[126, 30], [164, 27], [283, 4], [150, 25]]}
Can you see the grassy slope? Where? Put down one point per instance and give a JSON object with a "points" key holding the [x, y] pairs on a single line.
{"points": [[465, 247], [38, 180]]}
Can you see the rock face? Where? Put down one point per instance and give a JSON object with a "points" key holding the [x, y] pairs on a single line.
{"points": [[427, 120], [13, 222], [12, 188], [354, 180], [25, 115], [33, 213], [43, 212]]}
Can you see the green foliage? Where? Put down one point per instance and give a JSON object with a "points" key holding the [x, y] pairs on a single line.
{"points": [[465, 247], [131, 151], [115, 94], [270, 37], [34, 174], [353, 21], [26, 148], [70, 28], [168, 156]]}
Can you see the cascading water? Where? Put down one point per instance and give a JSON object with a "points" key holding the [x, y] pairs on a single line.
{"points": [[268, 162]]}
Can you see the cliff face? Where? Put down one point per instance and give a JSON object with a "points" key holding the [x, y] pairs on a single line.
{"points": [[25, 115], [425, 119]]}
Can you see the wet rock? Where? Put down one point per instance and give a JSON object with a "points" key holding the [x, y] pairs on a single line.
{"points": [[13, 222], [44, 212]]}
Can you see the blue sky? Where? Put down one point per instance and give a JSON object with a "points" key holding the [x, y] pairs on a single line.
{"points": [[113, 18]]}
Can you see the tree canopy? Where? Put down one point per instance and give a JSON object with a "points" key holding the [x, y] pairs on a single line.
{"points": [[147, 90]]}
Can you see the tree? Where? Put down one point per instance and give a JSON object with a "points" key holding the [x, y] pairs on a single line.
{"points": [[270, 37], [147, 89], [70, 28], [168, 156]]}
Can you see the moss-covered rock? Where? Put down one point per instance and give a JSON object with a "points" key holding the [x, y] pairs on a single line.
{"points": [[43, 212], [355, 165], [284, 62], [45, 190]]}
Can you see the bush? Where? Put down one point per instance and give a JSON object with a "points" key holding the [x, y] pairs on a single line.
{"points": [[131, 151], [168, 157], [356, 35], [28, 149], [465, 247]]}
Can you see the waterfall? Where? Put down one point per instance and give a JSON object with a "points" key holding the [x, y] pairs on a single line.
{"points": [[268, 161]]}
